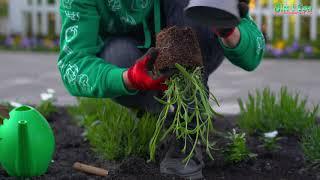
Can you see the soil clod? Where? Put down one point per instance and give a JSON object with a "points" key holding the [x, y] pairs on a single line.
{"points": [[177, 45]]}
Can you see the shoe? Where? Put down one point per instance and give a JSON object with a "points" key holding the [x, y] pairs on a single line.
{"points": [[173, 163]]}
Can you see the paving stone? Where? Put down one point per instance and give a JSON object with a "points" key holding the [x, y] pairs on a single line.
{"points": [[24, 76]]}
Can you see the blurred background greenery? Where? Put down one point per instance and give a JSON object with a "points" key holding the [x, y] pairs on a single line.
{"points": [[277, 46], [3, 8]]}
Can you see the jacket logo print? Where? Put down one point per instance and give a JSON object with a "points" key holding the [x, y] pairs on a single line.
{"points": [[140, 4], [114, 4], [84, 83], [67, 3], [61, 65], [127, 19], [67, 50], [71, 33], [74, 16], [260, 44], [71, 73], [72, 77]]}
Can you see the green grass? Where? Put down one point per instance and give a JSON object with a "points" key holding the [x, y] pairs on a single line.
{"points": [[113, 130], [46, 108], [265, 111], [86, 109], [271, 144], [310, 144]]}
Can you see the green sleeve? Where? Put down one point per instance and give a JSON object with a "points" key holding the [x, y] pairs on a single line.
{"points": [[82, 72], [249, 52]]}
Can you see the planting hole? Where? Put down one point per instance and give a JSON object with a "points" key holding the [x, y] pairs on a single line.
{"points": [[23, 108]]}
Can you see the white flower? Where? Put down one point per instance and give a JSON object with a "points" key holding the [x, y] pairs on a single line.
{"points": [[234, 131], [46, 96], [51, 91], [272, 134], [15, 104]]}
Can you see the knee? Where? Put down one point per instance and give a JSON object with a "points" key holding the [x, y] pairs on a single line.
{"points": [[122, 52]]}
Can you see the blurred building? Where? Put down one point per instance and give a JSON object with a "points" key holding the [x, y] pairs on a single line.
{"points": [[291, 22], [34, 17], [3, 17], [41, 17]]}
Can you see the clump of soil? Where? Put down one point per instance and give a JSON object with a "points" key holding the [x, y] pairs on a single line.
{"points": [[177, 45], [4, 113]]}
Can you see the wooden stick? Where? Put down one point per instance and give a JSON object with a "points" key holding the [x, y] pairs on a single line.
{"points": [[90, 169]]}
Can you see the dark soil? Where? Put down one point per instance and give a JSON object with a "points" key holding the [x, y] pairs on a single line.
{"points": [[178, 45], [287, 163], [4, 113]]}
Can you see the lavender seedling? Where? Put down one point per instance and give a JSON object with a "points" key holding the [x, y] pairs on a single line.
{"points": [[237, 150], [187, 93], [47, 107], [270, 141]]}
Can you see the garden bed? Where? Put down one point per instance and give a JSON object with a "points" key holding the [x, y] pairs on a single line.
{"points": [[287, 163]]}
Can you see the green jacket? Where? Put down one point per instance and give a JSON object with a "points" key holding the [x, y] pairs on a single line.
{"points": [[87, 23]]}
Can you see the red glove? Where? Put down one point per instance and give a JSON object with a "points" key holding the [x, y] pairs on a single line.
{"points": [[224, 33], [140, 76]]}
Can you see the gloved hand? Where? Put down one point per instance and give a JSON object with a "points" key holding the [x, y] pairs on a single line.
{"points": [[243, 9], [139, 75]]}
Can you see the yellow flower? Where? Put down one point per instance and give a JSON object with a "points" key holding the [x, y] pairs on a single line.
{"points": [[252, 4], [17, 40], [291, 2], [280, 44], [285, 2], [48, 43]]}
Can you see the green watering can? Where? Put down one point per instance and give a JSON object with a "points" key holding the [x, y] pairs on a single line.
{"points": [[26, 143]]}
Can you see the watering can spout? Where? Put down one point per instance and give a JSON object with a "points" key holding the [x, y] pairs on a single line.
{"points": [[23, 147]]}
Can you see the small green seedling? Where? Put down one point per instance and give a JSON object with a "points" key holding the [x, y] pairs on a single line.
{"points": [[310, 144], [266, 112], [270, 141], [187, 93], [237, 149], [46, 106], [113, 130]]}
